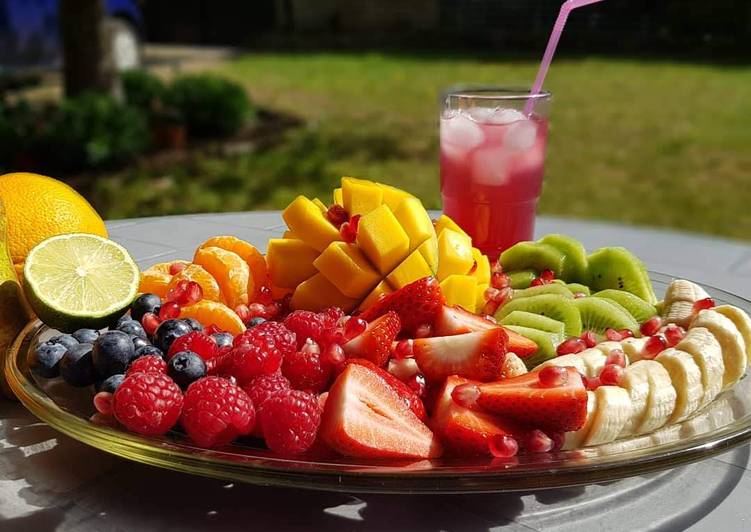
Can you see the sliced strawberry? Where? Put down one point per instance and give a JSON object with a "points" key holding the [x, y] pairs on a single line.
{"points": [[365, 417], [374, 343], [464, 431], [456, 320], [407, 394], [524, 400], [416, 304], [477, 355]]}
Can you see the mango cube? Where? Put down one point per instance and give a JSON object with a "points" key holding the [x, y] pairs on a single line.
{"points": [[360, 196], [455, 254], [429, 252], [480, 297], [317, 293], [346, 267], [444, 222], [382, 239], [306, 220], [381, 290], [415, 220], [482, 271], [460, 290], [338, 199], [393, 196], [321, 205], [290, 262], [412, 268], [290, 234]]}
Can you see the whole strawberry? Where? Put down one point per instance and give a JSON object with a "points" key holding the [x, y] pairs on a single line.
{"points": [[216, 411], [148, 403], [258, 351], [290, 421]]}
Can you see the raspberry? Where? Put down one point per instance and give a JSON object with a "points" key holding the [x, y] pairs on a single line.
{"points": [[147, 364], [306, 372], [290, 421], [216, 412], [259, 350], [306, 324], [148, 403], [200, 343], [262, 388]]}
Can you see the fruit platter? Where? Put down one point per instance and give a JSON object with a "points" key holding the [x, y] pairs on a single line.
{"points": [[372, 348]]}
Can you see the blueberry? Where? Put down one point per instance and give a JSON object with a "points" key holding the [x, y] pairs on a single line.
{"points": [[86, 336], [45, 359], [143, 304], [256, 321], [194, 324], [186, 367], [169, 331], [133, 328], [111, 383], [77, 367], [122, 319], [138, 342], [223, 339], [63, 339], [148, 350], [113, 351]]}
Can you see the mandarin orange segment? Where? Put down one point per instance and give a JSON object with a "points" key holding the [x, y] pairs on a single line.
{"points": [[252, 257], [164, 267], [154, 282], [213, 313], [194, 272], [230, 271]]}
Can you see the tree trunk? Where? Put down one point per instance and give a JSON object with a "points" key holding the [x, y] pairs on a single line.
{"points": [[88, 64]]}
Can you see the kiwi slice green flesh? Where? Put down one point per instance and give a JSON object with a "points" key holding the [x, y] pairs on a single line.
{"points": [[533, 256], [575, 267], [535, 321], [553, 288], [546, 344], [599, 314], [521, 279], [553, 306], [577, 288], [618, 268], [636, 306]]}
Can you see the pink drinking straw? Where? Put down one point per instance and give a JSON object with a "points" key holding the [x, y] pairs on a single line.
{"points": [[555, 36]]}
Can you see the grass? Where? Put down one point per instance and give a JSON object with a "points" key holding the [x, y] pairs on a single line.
{"points": [[644, 142]]}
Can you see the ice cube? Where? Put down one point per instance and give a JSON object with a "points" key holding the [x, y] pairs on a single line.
{"points": [[460, 133], [506, 116], [490, 166], [481, 115], [520, 135]]}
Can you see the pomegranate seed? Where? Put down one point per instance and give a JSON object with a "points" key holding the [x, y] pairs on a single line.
{"points": [[626, 333], [170, 310], [264, 296], [355, 221], [150, 322], [559, 438], [654, 346], [503, 446], [176, 267], [552, 376], [547, 275], [500, 280], [538, 442], [473, 269], [212, 329], [256, 310], [334, 357], [273, 310], [611, 375], [571, 346], [490, 307], [424, 331], [178, 294], [348, 233], [194, 292], [243, 312], [354, 327], [651, 326], [337, 215], [591, 383], [613, 336], [617, 357], [402, 349], [417, 384], [103, 403], [589, 338], [703, 304], [497, 267], [465, 395], [674, 334], [537, 282], [491, 294], [310, 347]]}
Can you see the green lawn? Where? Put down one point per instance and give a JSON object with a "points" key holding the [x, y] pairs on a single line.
{"points": [[643, 142]]}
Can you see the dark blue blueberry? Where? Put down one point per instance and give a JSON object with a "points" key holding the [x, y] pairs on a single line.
{"points": [[111, 383], [138, 342], [223, 339], [169, 331], [133, 328], [186, 367], [63, 339], [143, 304], [122, 319], [148, 350], [86, 336], [77, 367], [45, 359], [194, 324], [256, 321], [113, 351]]}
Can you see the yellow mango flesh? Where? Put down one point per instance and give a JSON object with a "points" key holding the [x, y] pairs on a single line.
{"points": [[306, 220], [321, 205], [381, 290], [460, 290], [480, 296], [346, 267], [382, 239], [317, 293], [338, 199], [290, 234], [415, 220], [412, 268], [360, 196], [290, 262], [429, 252], [482, 271], [454, 254], [444, 222], [393, 196]]}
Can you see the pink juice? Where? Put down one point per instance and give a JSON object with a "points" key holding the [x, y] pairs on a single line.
{"points": [[492, 163]]}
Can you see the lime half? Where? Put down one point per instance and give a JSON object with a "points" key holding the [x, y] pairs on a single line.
{"points": [[80, 280]]}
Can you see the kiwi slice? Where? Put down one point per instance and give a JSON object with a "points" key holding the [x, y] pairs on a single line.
{"points": [[533, 256], [618, 268], [599, 314], [636, 306], [553, 288], [546, 344], [554, 306], [535, 321], [575, 267], [578, 288], [521, 278]]}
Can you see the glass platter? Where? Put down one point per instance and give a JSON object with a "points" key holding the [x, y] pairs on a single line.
{"points": [[722, 425]]}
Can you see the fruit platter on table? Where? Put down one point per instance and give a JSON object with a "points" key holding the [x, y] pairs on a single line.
{"points": [[374, 349]]}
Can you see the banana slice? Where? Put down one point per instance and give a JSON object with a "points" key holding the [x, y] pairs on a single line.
{"points": [[686, 378], [707, 353], [613, 410], [733, 347], [594, 361], [575, 361], [635, 381], [633, 348], [680, 312], [741, 321], [662, 396], [718, 414], [574, 439], [683, 290], [513, 366]]}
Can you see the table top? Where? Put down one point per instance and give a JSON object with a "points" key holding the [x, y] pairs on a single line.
{"points": [[51, 482]]}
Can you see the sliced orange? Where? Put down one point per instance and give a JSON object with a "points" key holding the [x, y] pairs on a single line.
{"points": [[213, 313], [194, 272], [229, 270], [253, 258], [154, 282]]}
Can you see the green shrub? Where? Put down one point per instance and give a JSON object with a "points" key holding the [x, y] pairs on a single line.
{"points": [[142, 89], [211, 105]]}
